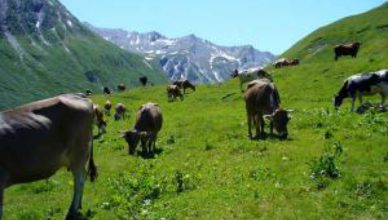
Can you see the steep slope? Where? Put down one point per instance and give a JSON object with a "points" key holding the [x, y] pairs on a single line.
{"points": [[188, 57], [370, 28], [319, 77], [44, 50]]}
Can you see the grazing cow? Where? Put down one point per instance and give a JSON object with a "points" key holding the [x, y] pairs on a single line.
{"points": [[88, 92], [184, 84], [107, 91], [107, 107], [363, 84], [173, 92], [280, 63], [293, 62], [39, 138], [99, 119], [120, 111], [149, 121], [121, 87], [346, 49], [283, 62], [262, 100], [143, 80]]}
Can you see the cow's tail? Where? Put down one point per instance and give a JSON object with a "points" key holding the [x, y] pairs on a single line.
{"points": [[92, 168]]}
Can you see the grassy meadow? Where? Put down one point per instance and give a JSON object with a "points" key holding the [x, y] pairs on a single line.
{"points": [[207, 168], [334, 165]]}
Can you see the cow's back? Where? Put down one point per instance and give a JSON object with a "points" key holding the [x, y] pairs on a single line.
{"points": [[37, 139], [260, 98], [149, 118]]}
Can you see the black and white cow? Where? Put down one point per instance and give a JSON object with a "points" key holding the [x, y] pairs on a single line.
{"points": [[363, 84]]}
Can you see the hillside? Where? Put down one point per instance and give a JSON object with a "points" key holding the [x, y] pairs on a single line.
{"points": [[189, 57], [369, 28], [44, 50], [319, 77]]}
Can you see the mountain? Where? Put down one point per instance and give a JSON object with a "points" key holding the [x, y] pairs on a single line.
{"points": [[187, 57], [369, 28], [45, 50]]}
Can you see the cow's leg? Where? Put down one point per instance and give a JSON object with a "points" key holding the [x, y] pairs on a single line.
{"points": [[360, 97], [3, 183], [249, 120], [271, 127], [257, 123], [261, 124], [79, 183], [353, 102], [143, 142], [154, 137], [383, 100]]}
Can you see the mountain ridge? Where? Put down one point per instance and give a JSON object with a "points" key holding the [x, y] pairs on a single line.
{"points": [[45, 51], [187, 57]]}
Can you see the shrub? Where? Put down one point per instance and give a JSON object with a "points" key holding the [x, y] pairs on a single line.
{"points": [[132, 192], [325, 165], [183, 181]]}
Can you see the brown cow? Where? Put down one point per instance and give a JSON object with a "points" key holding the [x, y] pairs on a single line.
{"points": [[99, 119], [283, 62], [293, 62], [149, 121], [262, 100], [184, 84], [346, 49], [280, 63], [39, 138], [107, 107], [120, 111], [173, 92], [121, 87]]}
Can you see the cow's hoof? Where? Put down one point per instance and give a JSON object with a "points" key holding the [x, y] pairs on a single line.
{"points": [[72, 216], [262, 136]]}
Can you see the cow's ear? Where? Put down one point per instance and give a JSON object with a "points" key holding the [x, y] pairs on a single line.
{"points": [[268, 117]]}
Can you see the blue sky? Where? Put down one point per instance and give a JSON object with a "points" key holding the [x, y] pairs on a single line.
{"points": [[272, 25]]}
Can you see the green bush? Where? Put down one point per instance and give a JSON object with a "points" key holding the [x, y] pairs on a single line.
{"points": [[325, 165]]}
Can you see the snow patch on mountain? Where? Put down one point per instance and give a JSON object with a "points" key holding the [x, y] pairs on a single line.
{"points": [[188, 57]]}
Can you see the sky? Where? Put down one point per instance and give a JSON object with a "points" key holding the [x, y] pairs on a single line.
{"points": [[268, 25]]}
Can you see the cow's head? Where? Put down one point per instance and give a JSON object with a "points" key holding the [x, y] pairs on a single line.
{"points": [[357, 44], [279, 119], [132, 138], [337, 101]]}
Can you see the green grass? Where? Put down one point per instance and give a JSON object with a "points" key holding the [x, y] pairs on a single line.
{"points": [[224, 175], [209, 169]]}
